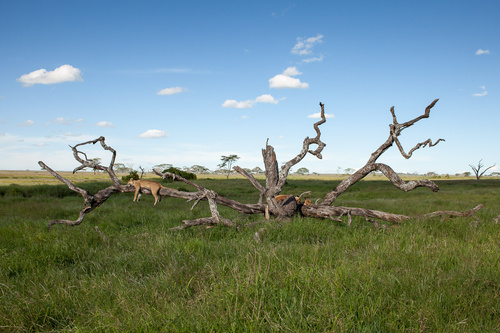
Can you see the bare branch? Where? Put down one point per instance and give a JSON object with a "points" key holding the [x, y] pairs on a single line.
{"points": [[252, 180], [387, 171], [276, 178], [452, 214], [90, 201], [64, 180], [331, 212], [285, 169], [477, 170], [304, 193], [395, 130], [214, 220], [89, 163], [417, 146]]}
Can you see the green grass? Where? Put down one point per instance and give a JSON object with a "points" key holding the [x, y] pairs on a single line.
{"points": [[306, 275]]}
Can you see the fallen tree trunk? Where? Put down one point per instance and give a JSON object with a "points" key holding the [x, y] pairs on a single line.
{"points": [[337, 212], [275, 181]]}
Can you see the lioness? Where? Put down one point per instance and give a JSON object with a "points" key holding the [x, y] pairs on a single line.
{"points": [[153, 186], [282, 197]]}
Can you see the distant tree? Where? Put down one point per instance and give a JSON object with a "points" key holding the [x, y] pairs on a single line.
{"points": [[97, 161], [302, 171], [227, 162], [183, 174], [257, 170], [466, 174], [199, 169], [477, 169], [121, 168], [349, 171], [495, 174], [162, 166]]}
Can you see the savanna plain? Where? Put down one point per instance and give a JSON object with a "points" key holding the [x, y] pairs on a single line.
{"points": [[134, 274]]}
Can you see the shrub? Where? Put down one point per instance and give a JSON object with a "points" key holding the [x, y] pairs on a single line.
{"points": [[183, 174], [132, 175]]}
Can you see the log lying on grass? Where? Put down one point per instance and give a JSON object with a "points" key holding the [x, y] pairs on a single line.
{"points": [[275, 181]]}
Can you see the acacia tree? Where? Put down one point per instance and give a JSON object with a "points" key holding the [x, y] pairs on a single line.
{"points": [[275, 180], [302, 171], [199, 169], [227, 162], [477, 169]]}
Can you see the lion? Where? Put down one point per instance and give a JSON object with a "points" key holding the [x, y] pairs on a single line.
{"points": [[282, 197], [153, 186]]}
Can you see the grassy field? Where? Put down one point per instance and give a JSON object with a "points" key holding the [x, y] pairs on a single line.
{"points": [[306, 275], [8, 177]]}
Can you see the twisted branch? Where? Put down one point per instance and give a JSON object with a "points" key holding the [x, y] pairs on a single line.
{"points": [[371, 165]]}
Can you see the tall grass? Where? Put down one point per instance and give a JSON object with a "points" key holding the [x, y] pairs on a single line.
{"points": [[306, 275]]}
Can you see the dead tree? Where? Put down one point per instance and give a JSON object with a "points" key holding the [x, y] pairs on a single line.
{"points": [[275, 180], [92, 201], [477, 169]]}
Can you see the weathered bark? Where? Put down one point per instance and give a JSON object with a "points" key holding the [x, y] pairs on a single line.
{"points": [[91, 201], [275, 177], [336, 212], [395, 130], [275, 181], [214, 220]]}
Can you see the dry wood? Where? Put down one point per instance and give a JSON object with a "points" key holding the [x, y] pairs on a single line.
{"points": [[337, 212], [395, 130]]}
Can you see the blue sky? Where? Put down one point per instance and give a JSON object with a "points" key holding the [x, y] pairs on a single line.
{"points": [[186, 82]]}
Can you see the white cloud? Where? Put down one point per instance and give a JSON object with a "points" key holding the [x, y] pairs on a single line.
{"points": [[291, 71], [304, 45], [107, 124], [481, 94], [285, 80], [232, 103], [266, 98], [27, 123], [171, 91], [154, 134], [65, 121], [72, 134], [314, 59], [65, 73], [62, 121], [481, 52], [318, 115]]}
